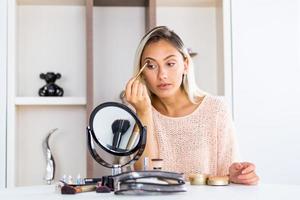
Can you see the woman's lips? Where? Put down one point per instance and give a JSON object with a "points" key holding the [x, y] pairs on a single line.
{"points": [[164, 86]]}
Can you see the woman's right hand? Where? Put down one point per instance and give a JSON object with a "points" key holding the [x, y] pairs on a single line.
{"points": [[137, 95]]}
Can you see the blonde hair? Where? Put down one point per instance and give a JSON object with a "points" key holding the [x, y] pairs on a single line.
{"points": [[164, 33]]}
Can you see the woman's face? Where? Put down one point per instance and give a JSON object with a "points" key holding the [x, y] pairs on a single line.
{"points": [[163, 75]]}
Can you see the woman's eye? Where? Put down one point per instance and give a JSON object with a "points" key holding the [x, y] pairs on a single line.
{"points": [[151, 66], [171, 64]]}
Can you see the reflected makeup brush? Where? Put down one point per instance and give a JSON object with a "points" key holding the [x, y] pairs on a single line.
{"points": [[119, 128], [133, 138]]}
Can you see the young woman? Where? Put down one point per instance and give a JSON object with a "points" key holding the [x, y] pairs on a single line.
{"points": [[190, 130]]}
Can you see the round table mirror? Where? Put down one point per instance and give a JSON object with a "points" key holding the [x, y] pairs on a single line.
{"points": [[116, 136]]}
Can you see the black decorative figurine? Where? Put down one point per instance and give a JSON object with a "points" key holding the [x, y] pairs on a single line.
{"points": [[50, 89]]}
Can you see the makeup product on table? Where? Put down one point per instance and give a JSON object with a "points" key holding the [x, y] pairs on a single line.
{"points": [[64, 178], [198, 179], [69, 189], [102, 188], [146, 163], [66, 186], [70, 180], [79, 180], [92, 180], [218, 180]]}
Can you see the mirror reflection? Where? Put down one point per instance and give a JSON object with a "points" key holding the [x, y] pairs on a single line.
{"points": [[115, 129]]}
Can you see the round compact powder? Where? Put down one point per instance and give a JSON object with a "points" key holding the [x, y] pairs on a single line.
{"points": [[198, 179], [218, 180]]}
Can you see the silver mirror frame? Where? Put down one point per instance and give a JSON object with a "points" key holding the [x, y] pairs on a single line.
{"points": [[93, 143]]}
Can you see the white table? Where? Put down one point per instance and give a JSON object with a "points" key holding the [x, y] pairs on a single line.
{"points": [[231, 192]]}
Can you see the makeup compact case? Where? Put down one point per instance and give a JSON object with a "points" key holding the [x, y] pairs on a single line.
{"points": [[145, 182]]}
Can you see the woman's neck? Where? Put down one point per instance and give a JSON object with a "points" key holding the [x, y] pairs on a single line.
{"points": [[172, 106]]}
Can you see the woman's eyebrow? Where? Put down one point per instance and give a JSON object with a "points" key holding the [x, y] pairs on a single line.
{"points": [[149, 58], [169, 57]]}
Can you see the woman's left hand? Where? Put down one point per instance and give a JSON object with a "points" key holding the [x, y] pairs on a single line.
{"points": [[243, 173]]}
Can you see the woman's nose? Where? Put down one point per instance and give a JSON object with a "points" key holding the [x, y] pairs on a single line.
{"points": [[162, 74]]}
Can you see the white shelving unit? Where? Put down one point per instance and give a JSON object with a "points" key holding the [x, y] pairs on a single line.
{"points": [[50, 35], [45, 36]]}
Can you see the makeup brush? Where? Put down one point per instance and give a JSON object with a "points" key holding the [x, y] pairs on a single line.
{"points": [[122, 95], [68, 189], [119, 128], [141, 70]]}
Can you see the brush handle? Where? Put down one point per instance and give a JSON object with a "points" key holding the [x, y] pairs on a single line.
{"points": [[116, 140], [86, 188], [68, 189], [132, 140], [141, 70]]}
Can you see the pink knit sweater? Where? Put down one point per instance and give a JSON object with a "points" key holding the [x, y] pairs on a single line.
{"points": [[201, 142]]}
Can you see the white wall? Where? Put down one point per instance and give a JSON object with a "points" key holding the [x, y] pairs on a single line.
{"points": [[3, 67], [266, 70]]}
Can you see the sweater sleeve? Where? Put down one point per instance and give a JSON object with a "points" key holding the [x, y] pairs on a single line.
{"points": [[227, 151]]}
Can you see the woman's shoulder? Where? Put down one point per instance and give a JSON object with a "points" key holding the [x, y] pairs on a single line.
{"points": [[220, 107], [216, 102]]}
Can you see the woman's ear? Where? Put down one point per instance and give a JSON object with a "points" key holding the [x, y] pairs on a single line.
{"points": [[186, 65]]}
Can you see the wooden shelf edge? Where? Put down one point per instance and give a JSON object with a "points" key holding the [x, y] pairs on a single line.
{"points": [[23, 101], [186, 3], [120, 3]]}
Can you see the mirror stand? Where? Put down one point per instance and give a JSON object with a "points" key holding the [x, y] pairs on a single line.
{"points": [[116, 169]]}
